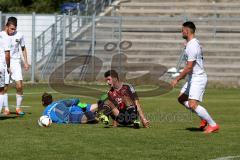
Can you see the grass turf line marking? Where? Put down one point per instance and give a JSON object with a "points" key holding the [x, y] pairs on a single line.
{"points": [[226, 158]]}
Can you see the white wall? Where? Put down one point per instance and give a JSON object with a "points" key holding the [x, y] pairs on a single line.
{"points": [[25, 27]]}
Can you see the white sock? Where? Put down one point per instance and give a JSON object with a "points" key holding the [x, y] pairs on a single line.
{"points": [[1, 102], [203, 114], [5, 101], [19, 99]]}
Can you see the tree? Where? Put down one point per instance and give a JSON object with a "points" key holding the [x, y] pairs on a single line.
{"points": [[28, 6]]}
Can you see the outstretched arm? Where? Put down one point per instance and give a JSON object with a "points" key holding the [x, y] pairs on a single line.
{"points": [[144, 121]]}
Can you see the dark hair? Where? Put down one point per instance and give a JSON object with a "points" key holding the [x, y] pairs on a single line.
{"points": [[190, 25], [46, 99], [12, 21], [111, 73]]}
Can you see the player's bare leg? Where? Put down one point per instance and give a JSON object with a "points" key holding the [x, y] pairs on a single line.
{"points": [[19, 97], [108, 108]]}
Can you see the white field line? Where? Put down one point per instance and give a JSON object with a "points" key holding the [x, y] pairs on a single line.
{"points": [[227, 158]]}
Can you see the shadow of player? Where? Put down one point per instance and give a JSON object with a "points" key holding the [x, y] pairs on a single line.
{"points": [[194, 129], [2, 117]]}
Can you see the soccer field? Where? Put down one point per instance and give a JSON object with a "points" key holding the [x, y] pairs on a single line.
{"points": [[173, 133]]}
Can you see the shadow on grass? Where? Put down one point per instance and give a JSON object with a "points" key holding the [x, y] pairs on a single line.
{"points": [[8, 117], [122, 126], [12, 115], [194, 129]]}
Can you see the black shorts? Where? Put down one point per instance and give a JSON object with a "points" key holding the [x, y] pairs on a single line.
{"points": [[127, 116]]}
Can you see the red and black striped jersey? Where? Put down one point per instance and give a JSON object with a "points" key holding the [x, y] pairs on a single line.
{"points": [[125, 96]]}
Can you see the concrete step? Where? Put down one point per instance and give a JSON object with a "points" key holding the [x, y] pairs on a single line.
{"points": [[167, 28], [212, 68], [163, 35], [158, 58], [174, 5], [160, 21], [176, 12], [207, 59], [168, 36], [216, 70], [74, 51], [167, 43]]}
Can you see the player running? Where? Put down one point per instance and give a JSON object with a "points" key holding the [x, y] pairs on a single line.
{"points": [[4, 64], [17, 40], [122, 102], [192, 91], [69, 110]]}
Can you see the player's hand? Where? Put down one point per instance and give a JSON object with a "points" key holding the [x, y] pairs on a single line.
{"points": [[114, 123], [174, 82], [26, 66], [146, 123]]}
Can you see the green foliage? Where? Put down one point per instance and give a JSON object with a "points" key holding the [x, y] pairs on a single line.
{"points": [[28, 6]]}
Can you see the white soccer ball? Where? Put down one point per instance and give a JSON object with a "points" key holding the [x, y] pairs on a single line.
{"points": [[44, 121]]}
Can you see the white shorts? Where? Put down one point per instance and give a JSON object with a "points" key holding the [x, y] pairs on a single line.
{"points": [[195, 88], [16, 70], [2, 75]]}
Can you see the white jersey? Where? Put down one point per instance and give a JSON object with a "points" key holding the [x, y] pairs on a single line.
{"points": [[17, 41], [193, 52], [5, 45]]}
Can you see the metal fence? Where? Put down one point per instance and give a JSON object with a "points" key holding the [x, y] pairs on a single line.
{"points": [[65, 29]]}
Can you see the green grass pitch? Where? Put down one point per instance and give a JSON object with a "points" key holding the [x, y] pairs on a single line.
{"points": [[172, 135]]}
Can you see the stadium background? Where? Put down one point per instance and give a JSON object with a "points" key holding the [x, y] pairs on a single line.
{"points": [[152, 27]]}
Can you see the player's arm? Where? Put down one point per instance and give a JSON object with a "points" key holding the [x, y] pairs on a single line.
{"points": [[144, 121], [187, 69], [70, 102], [7, 46], [134, 97], [7, 57], [24, 52]]}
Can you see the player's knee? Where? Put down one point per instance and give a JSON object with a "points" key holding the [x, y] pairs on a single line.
{"points": [[192, 104], [19, 89]]}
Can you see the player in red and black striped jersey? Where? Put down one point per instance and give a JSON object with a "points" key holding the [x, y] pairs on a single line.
{"points": [[123, 101]]}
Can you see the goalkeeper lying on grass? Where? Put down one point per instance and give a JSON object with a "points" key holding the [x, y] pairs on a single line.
{"points": [[69, 110]]}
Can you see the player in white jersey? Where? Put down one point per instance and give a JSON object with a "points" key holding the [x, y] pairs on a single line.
{"points": [[192, 91], [17, 41], [4, 64]]}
